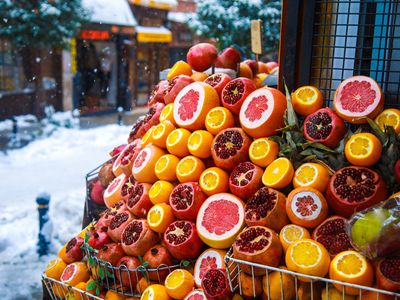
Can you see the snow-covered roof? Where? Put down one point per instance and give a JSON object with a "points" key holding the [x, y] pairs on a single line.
{"points": [[114, 12], [160, 4], [179, 17], [156, 30]]}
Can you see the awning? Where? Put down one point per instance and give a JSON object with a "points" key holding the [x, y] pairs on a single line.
{"points": [[153, 34], [111, 12], [160, 4]]}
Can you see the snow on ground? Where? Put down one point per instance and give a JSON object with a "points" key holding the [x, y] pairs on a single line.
{"points": [[56, 165]]}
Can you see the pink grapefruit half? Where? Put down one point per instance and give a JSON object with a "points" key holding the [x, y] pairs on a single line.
{"points": [[192, 105], [358, 97], [262, 112], [143, 166], [112, 194], [196, 295], [220, 219], [209, 259]]}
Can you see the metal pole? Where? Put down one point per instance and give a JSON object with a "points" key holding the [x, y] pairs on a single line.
{"points": [[45, 227]]}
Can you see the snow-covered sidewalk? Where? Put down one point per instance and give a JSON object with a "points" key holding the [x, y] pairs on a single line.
{"points": [[57, 165]]}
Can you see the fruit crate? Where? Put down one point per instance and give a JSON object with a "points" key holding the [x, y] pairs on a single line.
{"points": [[59, 290], [111, 277], [234, 268]]}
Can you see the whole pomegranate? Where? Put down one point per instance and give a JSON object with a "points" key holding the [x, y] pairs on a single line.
{"points": [[138, 201], [137, 238], [324, 126], [98, 238], [158, 257], [182, 240], [230, 147], [96, 193], [186, 199], [201, 56], [73, 250], [215, 284], [118, 224], [253, 65], [228, 58], [111, 253], [352, 189], [106, 175], [258, 244], [245, 180], [127, 274]]}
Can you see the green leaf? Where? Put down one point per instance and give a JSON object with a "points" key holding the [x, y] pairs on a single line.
{"points": [[109, 274], [90, 259], [91, 286], [86, 237], [291, 115], [186, 263], [140, 258], [97, 291], [101, 273], [378, 132], [145, 264]]}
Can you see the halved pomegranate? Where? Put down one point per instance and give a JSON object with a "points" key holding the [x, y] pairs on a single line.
{"points": [[126, 273], [209, 259], [245, 180], [192, 105], [106, 216], [218, 81], [124, 161], [128, 188], [98, 238], [175, 85], [235, 92], [153, 116], [117, 150], [215, 284], [157, 95], [106, 174], [358, 97], [267, 208], [118, 224], [73, 250], [139, 202], [158, 257], [325, 127], [262, 112], [182, 240], [258, 244], [352, 189], [230, 147], [137, 238], [137, 130], [111, 253], [388, 273], [186, 199], [332, 234], [112, 194]]}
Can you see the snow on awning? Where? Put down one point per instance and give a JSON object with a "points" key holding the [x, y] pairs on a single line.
{"points": [[160, 4], [179, 17], [113, 12], [153, 34]]}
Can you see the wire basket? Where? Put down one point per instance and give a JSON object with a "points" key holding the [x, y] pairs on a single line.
{"points": [[59, 290], [234, 268], [123, 280]]}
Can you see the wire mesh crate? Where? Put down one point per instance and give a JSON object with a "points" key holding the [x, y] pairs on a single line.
{"points": [[234, 268], [59, 290], [324, 42]]}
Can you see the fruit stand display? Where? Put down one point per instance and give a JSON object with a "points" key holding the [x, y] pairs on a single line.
{"points": [[228, 188]]}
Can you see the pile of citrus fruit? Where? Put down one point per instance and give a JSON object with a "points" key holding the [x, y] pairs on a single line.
{"points": [[205, 170]]}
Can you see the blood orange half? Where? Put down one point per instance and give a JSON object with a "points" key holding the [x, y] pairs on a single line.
{"points": [[192, 105], [196, 295], [209, 259], [358, 97], [220, 219], [143, 168], [113, 194], [262, 112]]}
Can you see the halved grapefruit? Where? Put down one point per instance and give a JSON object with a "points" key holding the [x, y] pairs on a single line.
{"points": [[209, 259], [112, 194], [358, 97], [75, 273], [143, 168], [192, 105], [124, 161], [196, 295], [220, 219], [262, 112]]}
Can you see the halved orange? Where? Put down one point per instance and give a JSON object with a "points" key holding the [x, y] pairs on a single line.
{"points": [[167, 113], [155, 292], [179, 68], [199, 143], [189, 169], [263, 151], [75, 273], [177, 142], [159, 217], [199, 76], [291, 233], [55, 268], [160, 191], [179, 283], [161, 132], [311, 175], [363, 149], [165, 167], [308, 257], [278, 174], [351, 267], [219, 118], [389, 117], [306, 100], [214, 180], [147, 137]]}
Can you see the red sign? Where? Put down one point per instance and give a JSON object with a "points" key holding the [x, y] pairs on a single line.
{"points": [[94, 35]]}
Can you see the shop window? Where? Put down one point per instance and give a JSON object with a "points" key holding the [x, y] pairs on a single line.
{"points": [[12, 76], [185, 36]]}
